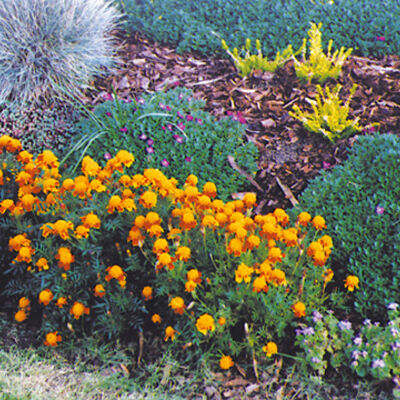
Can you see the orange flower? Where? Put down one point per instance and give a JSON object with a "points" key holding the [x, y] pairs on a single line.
{"points": [[281, 216], [183, 253], [226, 362], [156, 319], [260, 284], [147, 293], [6, 205], [99, 290], [65, 258], [24, 302], [62, 227], [243, 272], [47, 160], [160, 246], [205, 323], [351, 282], [20, 316], [115, 203], [78, 309], [188, 220], [124, 157], [210, 189], [52, 339], [190, 286], [81, 232], [91, 220], [178, 305], [116, 272], [61, 302], [25, 254], [289, 237], [27, 202], [252, 242], [235, 247], [135, 236], [270, 349], [24, 157], [194, 275], [303, 218], [128, 204], [90, 167], [42, 264], [50, 185], [170, 333], [249, 200], [209, 221], [191, 180], [275, 255], [318, 222], [165, 260], [313, 248], [148, 199], [45, 297], [15, 243], [299, 309], [278, 277]]}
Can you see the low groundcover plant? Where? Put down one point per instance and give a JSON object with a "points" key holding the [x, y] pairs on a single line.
{"points": [[110, 253]]}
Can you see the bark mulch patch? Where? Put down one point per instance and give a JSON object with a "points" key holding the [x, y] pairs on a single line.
{"points": [[289, 156]]}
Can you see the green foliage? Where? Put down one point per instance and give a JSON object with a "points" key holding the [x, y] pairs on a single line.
{"points": [[189, 25], [170, 131], [257, 61], [330, 117], [359, 200], [48, 47], [319, 66]]}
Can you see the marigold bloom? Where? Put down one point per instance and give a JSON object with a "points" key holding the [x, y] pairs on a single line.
{"points": [[15, 243], [326, 242], [249, 200], [203, 202], [61, 302], [281, 216], [160, 246], [99, 290], [190, 286], [24, 157], [128, 204], [260, 284], [183, 253], [178, 305], [210, 189], [299, 309], [243, 272], [313, 248], [24, 178], [47, 159], [67, 185], [351, 282], [115, 272], [156, 319], [221, 321], [235, 247], [90, 167], [188, 220], [42, 264], [91, 220], [252, 242], [65, 258], [303, 218], [147, 293], [25, 254], [194, 275], [24, 302], [27, 201], [170, 333], [328, 276], [6, 205], [97, 186], [152, 218], [275, 255], [318, 222], [78, 309], [221, 218], [192, 180], [319, 258], [62, 227], [270, 230], [50, 185], [289, 238], [45, 297], [125, 158], [52, 339], [81, 231], [165, 260], [135, 236], [20, 316], [114, 203], [148, 199], [278, 277], [191, 193], [140, 221], [205, 323], [155, 230], [270, 349], [226, 362]]}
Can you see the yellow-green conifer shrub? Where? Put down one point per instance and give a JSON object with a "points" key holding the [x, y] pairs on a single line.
{"points": [[330, 116], [319, 66], [252, 62]]}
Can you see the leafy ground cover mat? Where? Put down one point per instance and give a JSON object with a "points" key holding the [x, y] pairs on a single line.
{"points": [[289, 156]]}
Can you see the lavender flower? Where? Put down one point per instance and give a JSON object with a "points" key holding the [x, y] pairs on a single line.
{"points": [[317, 316], [150, 142], [179, 114], [181, 126], [188, 159], [189, 117], [379, 210], [162, 106], [107, 156], [392, 306], [315, 360], [170, 127], [149, 150], [394, 331], [164, 162], [108, 114], [344, 325], [355, 354], [357, 340], [199, 121], [142, 136], [124, 129], [178, 138], [378, 364], [367, 322]]}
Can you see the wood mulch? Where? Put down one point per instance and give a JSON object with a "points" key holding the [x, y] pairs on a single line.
{"points": [[289, 156]]}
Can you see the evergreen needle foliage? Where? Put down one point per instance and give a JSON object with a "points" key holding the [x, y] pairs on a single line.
{"points": [[48, 47]]}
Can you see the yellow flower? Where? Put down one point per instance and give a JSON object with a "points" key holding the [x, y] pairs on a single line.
{"points": [[194, 275], [156, 319], [24, 157], [52, 339], [303, 218], [188, 220], [270, 349], [277, 277], [191, 180], [90, 167], [81, 231], [351, 282], [275, 255], [178, 305], [170, 333], [205, 323], [252, 242], [47, 160], [226, 362], [61, 227], [299, 309], [235, 247], [65, 258], [183, 253], [281, 216], [260, 284], [289, 238], [5, 205], [115, 272], [91, 220], [135, 236], [147, 293], [249, 200], [24, 302], [160, 246], [243, 272], [313, 248], [20, 316], [45, 297], [148, 199], [15, 243], [61, 302], [99, 290], [50, 185], [190, 286], [25, 254], [165, 260], [78, 309], [114, 203], [210, 189], [125, 158], [328, 276], [318, 222], [128, 204]]}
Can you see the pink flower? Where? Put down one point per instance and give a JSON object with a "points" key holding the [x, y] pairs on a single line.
{"points": [[149, 150], [178, 138], [189, 118], [107, 96], [380, 38], [124, 129], [188, 159], [181, 126], [150, 142], [179, 114], [164, 162], [142, 136], [177, 83], [379, 210], [107, 156], [326, 165], [170, 127], [108, 114], [199, 121], [161, 105], [168, 108]]}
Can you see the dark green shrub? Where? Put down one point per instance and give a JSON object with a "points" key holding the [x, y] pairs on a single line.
{"points": [[188, 25], [170, 131], [360, 202]]}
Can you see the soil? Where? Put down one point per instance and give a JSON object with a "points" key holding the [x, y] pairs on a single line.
{"points": [[289, 155]]}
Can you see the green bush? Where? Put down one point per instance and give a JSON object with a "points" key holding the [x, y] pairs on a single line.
{"points": [[49, 46], [188, 25], [170, 131], [360, 201]]}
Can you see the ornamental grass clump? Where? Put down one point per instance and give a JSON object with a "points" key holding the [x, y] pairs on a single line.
{"points": [[48, 47], [112, 252], [319, 66], [330, 115]]}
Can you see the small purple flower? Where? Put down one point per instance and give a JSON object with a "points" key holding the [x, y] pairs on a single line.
{"points": [[108, 114], [308, 331], [164, 162], [170, 127], [176, 83], [150, 142], [178, 138], [199, 121], [355, 354], [107, 96], [364, 353], [179, 114], [181, 126], [357, 341], [149, 150], [317, 316], [326, 165], [367, 322], [128, 101], [124, 129], [180, 97], [142, 136], [379, 210], [168, 108], [392, 306], [396, 346], [344, 325], [380, 38], [107, 156], [188, 159], [394, 331], [354, 364], [189, 117], [162, 106], [315, 360], [141, 101], [163, 128], [378, 364]]}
